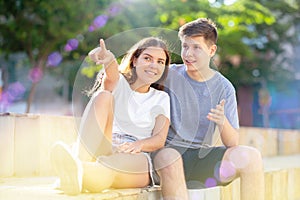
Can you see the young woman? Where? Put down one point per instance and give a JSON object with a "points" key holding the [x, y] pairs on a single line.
{"points": [[126, 118]]}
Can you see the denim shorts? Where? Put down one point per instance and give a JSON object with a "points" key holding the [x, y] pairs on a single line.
{"points": [[118, 139]]}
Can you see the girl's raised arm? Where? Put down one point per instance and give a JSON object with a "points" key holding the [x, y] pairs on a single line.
{"points": [[101, 55]]}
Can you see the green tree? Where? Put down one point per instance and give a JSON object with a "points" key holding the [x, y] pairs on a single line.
{"points": [[41, 29]]}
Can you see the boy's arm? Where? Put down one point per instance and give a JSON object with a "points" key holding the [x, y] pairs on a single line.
{"points": [[229, 135]]}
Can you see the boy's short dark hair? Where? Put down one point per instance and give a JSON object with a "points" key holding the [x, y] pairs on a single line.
{"points": [[200, 27]]}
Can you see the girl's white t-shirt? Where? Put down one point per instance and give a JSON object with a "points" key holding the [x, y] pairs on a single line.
{"points": [[134, 112]]}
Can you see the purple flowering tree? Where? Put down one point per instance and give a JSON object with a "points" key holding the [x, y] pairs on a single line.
{"points": [[48, 32]]}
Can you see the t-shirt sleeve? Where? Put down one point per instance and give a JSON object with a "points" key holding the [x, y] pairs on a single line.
{"points": [[166, 106], [231, 108], [120, 84], [161, 105]]}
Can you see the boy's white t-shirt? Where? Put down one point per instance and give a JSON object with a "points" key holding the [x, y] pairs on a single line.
{"points": [[134, 112]]}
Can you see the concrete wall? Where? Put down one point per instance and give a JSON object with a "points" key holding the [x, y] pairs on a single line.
{"points": [[25, 142]]}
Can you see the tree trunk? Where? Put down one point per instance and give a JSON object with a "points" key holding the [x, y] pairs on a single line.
{"points": [[30, 97]]}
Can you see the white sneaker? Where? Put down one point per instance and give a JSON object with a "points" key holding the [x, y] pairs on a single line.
{"points": [[68, 168]]}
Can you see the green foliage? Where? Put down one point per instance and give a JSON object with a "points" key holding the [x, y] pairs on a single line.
{"points": [[39, 27], [252, 31], [91, 68]]}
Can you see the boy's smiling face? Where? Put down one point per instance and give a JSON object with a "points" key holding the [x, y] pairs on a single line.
{"points": [[196, 53]]}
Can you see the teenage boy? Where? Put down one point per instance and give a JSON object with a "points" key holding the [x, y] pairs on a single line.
{"points": [[202, 101]]}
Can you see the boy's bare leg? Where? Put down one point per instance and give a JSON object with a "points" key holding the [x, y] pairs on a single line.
{"points": [[168, 163], [247, 164]]}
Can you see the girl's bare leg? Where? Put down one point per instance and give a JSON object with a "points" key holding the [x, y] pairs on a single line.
{"points": [[117, 171], [94, 139], [95, 132]]}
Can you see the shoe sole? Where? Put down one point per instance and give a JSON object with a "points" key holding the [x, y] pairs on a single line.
{"points": [[67, 169]]}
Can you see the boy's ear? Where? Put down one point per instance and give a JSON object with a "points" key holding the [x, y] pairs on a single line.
{"points": [[213, 50]]}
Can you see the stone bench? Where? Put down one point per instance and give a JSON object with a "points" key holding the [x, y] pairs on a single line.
{"points": [[25, 171]]}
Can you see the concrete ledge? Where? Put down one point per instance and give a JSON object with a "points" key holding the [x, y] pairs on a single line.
{"points": [[34, 188], [283, 184], [25, 172], [7, 145]]}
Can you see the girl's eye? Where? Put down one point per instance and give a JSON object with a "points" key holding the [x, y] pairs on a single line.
{"points": [[147, 58]]}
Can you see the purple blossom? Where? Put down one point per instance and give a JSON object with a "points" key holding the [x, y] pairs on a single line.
{"points": [[91, 28], [114, 10], [71, 45], [35, 74], [54, 59], [98, 22], [14, 92], [4, 101]]}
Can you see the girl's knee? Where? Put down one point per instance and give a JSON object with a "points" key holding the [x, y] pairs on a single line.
{"points": [[103, 96], [103, 100]]}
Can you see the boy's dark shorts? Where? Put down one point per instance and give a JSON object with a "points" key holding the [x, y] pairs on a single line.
{"points": [[202, 166]]}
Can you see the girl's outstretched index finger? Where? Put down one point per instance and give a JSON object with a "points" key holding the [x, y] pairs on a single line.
{"points": [[102, 45]]}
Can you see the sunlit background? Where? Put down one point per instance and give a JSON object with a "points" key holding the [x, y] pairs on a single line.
{"points": [[43, 44]]}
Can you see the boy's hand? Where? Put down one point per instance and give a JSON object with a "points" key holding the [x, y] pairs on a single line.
{"points": [[217, 115]]}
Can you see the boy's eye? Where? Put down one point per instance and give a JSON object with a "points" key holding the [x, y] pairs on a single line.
{"points": [[161, 62]]}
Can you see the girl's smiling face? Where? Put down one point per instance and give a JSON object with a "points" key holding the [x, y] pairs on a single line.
{"points": [[150, 66]]}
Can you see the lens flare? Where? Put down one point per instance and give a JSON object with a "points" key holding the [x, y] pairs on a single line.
{"points": [[210, 182], [227, 170]]}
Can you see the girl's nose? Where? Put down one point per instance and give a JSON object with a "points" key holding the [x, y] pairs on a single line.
{"points": [[152, 64]]}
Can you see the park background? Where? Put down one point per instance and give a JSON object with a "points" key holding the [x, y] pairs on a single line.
{"points": [[44, 43]]}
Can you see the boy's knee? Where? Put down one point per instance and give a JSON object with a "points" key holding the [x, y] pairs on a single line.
{"points": [[243, 157], [167, 158], [255, 156]]}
